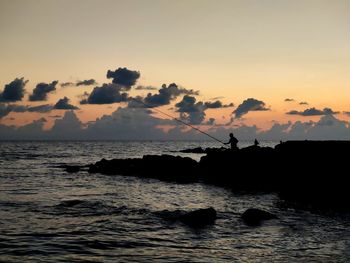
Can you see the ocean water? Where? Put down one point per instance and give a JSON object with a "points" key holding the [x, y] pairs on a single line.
{"points": [[48, 215]]}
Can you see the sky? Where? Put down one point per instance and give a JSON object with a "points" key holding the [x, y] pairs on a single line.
{"points": [[220, 65]]}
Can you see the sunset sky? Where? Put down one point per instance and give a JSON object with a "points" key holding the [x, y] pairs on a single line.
{"points": [[286, 56]]}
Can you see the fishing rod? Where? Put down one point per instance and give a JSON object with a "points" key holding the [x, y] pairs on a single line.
{"points": [[178, 120]]}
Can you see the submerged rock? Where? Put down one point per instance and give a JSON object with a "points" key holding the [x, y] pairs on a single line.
{"points": [[199, 218], [254, 216]]}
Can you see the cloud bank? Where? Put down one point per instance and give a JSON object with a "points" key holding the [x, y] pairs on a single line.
{"points": [[313, 112], [139, 124]]}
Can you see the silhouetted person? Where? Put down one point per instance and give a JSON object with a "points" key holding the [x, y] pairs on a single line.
{"points": [[233, 142], [256, 143]]}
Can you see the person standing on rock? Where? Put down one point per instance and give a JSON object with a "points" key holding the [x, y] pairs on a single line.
{"points": [[233, 142]]}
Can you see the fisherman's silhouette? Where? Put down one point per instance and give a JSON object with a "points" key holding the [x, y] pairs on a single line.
{"points": [[233, 142], [256, 143]]}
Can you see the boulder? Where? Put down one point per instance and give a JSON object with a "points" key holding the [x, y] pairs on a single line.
{"points": [[254, 216], [199, 218]]}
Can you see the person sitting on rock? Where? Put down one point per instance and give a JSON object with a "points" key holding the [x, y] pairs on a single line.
{"points": [[233, 142]]}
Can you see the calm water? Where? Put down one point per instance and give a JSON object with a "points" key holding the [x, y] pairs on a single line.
{"points": [[120, 219]]}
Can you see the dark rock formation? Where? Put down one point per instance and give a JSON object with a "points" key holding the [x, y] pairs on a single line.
{"points": [[253, 216], [72, 168], [193, 150], [199, 218], [306, 173], [201, 150], [196, 219], [163, 167]]}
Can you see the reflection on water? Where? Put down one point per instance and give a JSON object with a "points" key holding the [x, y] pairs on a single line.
{"points": [[51, 216]]}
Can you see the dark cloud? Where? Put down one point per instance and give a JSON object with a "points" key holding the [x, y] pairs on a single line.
{"points": [[313, 112], [6, 109], [123, 77], [303, 103], [249, 105], [136, 102], [194, 112], [63, 104], [86, 82], [106, 94], [66, 84], [217, 104], [166, 94], [140, 87], [14, 91], [190, 110], [210, 122], [42, 90], [289, 100], [40, 108]]}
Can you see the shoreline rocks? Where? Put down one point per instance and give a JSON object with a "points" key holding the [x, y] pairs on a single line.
{"points": [[310, 173]]}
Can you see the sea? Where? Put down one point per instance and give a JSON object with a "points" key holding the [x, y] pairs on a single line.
{"points": [[49, 215]]}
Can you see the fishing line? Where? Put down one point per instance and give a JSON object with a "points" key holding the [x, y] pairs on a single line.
{"points": [[178, 120]]}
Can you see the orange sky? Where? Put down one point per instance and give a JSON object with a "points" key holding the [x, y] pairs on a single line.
{"points": [[268, 50]]}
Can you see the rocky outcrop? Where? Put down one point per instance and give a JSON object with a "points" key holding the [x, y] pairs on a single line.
{"points": [[163, 167], [305, 173]]}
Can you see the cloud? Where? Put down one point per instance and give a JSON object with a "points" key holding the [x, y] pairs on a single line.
{"points": [[313, 112], [217, 104], [139, 124], [210, 122], [14, 91], [140, 87], [190, 110], [42, 90], [194, 112], [249, 105], [303, 103], [289, 100], [66, 84], [40, 108], [106, 94], [86, 82], [6, 109], [63, 104], [123, 77], [166, 94], [346, 113]]}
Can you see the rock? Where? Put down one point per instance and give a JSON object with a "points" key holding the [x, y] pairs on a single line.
{"points": [[72, 168], [253, 216], [199, 218], [163, 167], [194, 150], [71, 203]]}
